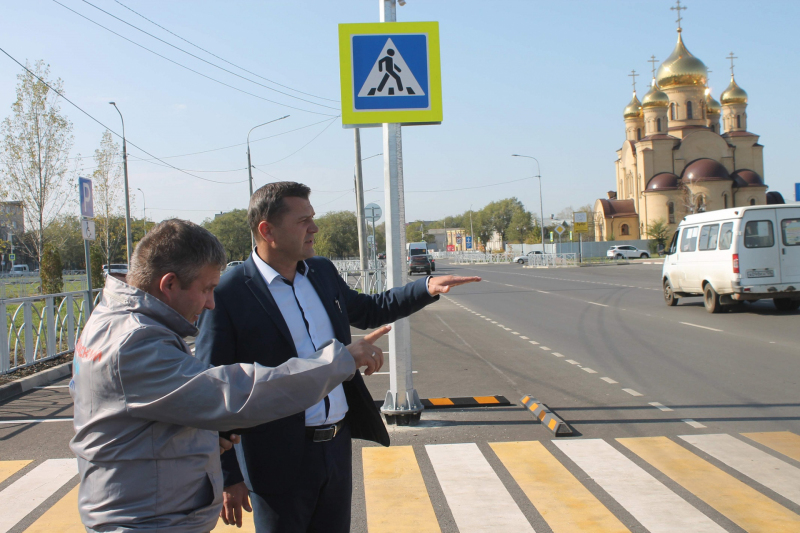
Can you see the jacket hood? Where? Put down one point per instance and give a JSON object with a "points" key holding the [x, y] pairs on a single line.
{"points": [[119, 296]]}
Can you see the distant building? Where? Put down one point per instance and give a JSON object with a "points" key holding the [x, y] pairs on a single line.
{"points": [[12, 219]]}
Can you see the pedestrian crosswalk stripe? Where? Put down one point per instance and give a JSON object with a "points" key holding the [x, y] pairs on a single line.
{"points": [[9, 468], [62, 516], [396, 497], [650, 502], [248, 526], [745, 506], [477, 498], [783, 442], [771, 472], [29, 491], [564, 503]]}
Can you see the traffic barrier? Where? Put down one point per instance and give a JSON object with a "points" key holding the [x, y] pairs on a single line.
{"points": [[546, 417], [466, 401]]}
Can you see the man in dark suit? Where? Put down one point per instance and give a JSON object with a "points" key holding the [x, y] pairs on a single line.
{"points": [[281, 303]]}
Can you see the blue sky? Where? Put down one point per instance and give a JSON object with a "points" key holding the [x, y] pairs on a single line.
{"points": [[547, 79]]}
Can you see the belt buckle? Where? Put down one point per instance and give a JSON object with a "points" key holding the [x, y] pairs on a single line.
{"points": [[324, 435]]}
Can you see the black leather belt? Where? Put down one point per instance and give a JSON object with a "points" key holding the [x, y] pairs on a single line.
{"points": [[324, 433]]}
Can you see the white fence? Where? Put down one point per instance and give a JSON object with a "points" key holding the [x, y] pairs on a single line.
{"points": [[474, 257], [39, 328], [370, 281], [553, 260]]}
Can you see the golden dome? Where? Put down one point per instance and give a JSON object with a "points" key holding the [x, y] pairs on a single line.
{"points": [[634, 109], [655, 97], [712, 106], [681, 69], [733, 94]]}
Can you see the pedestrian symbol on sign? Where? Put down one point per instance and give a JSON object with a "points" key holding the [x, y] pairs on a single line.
{"points": [[390, 64]]}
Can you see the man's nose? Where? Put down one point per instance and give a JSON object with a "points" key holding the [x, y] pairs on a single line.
{"points": [[210, 302], [313, 228]]}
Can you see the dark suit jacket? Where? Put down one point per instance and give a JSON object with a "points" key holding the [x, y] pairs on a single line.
{"points": [[246, 326]]}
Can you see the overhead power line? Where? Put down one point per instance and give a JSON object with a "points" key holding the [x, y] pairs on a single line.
{"points": [[191, 69], [206, 61], [79, 108], [221, 58]]}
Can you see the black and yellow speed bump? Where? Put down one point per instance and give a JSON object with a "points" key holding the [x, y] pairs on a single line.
{"points": [[546, 416], [466, 401]]}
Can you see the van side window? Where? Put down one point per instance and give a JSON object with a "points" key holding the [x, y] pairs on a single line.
{"points": [[726, 236], [689, 239], [758, 234], [708, 237], [790, 228]]}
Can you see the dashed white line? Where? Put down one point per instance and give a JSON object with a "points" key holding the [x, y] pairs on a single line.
{"points": [[557, 354], [699, 326], [507, 329], [572, 362], [507, 285], [595, 303], [609, 380], [515, 332], [696, 425], [533, 342], [545, 348], [523, 337], [494, 321], [589, 370], [632, 392], [660, 406]]}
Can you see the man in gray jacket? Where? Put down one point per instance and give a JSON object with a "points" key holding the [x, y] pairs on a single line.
{"points": [[147, 412]]}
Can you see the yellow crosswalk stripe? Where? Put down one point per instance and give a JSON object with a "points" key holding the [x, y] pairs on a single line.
{"points": [[248, 526], [564, 503], [9, 468], [784, 442], [397, 500], [62, 516], [745, 506]]}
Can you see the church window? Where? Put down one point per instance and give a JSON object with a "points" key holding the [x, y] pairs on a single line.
{"points": [[672, 111], [725, 201], [752, 201], [624, 230], [658, 124], [688, 110], [671, 210], [701, 205], [738, 121], [712, 128], [638, 133]]}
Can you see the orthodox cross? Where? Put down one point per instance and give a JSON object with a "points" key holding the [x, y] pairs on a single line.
{"points": [[731, 57], [679, 8], [653, 60], [633, 75]]}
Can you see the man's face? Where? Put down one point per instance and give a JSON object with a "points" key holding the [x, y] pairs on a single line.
{"points": [[293, 235], [199, 295]]}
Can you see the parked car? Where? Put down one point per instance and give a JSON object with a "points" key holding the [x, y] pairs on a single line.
{"points": [[230, 266], [118, 270], [736, 255], [19, 270], [381, 255], [433, 262], [419, 263], [626, 251], [521, 259]]}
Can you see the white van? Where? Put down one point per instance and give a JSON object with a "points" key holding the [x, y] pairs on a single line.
{"points": [[415, 248], [19, 270], [735, 255]]}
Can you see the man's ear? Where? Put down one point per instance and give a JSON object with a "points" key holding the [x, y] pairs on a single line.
{"points": [[169, 283], [265, 231]]}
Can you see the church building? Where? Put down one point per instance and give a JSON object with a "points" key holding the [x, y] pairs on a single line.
{"points": [[684, 152]]}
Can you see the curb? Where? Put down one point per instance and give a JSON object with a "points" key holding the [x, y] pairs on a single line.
{"points": [[466, 401], [546, 416], [15, 388]]}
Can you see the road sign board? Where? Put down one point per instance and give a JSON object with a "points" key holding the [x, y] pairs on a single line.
{"points": [[458, 239], [370, 239], [390, 73], [581, 221], [87, 229], [12, 257], [373, 211], [797, 192], [469, 242], [560, 229], [86, 197]]}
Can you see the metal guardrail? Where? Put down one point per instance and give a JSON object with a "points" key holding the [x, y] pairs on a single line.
{"points": [[553, 260], [370, 281], [474, 257], [39, 328], [25, 286]]}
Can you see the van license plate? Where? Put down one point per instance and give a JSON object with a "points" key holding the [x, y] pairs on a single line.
{"points": [[765, 273]]}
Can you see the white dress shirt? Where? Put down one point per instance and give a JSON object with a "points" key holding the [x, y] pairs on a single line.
{"points": [[299, 304]]}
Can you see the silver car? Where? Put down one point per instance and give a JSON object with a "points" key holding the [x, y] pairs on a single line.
{"points": [[522, 259], [626, 251]]}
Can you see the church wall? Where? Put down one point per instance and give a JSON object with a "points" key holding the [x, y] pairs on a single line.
{"points": [[657, 206], [616, 228], [743, 196], [678, 97], [712, 193], [704, 144]]}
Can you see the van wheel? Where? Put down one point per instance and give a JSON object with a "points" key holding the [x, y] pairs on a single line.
{"points": [[669, 295], [711, 299], [786, 304]]}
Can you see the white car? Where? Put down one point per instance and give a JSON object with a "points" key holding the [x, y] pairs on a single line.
{"points": [[522, 259], [119, 269], [230, 266], [626, 251]]}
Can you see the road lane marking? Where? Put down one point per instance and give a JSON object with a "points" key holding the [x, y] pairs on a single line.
{"points": [[507, 285], [507, 329], [543, 292], [494, 321], [693, 423], [660, 406], [533, 342], [771, 472], [9, 468], [53, 387], [589, 370], [29, 491], [545, 348], [699, 326], [748, 508], [595, 303], [35, 420], [632, 392], [783, 442], [387, 373], [396, 497], [557, 354], [648, 500], [564, 503], [572, 362], [523, 337], [477, 498], [515, 332], [63, 517], [609, 380]]}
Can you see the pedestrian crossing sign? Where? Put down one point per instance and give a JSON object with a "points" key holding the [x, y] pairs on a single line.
{"points": [[390, 73]]}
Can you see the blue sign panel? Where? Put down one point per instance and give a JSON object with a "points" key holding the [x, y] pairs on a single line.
{"points": [[469, 242], [390, 72], [797, 192], [86, 198]]}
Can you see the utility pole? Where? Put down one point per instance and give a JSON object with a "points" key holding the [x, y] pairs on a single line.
{"points": [[250, 171], [362, 230], [471, 233], [402, 404], [144, 208], [129, 239]]}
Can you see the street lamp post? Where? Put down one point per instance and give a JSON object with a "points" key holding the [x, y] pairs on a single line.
{"points": [[541, 209], [144, 209], [128, 238], [362, 230], [471, 233], [250, 169]]}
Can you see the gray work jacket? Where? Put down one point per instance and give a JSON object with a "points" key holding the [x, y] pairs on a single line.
{"points": [[147, 413]]}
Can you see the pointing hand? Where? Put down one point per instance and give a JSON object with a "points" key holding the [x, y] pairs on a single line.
{"points": [[365, 354]]}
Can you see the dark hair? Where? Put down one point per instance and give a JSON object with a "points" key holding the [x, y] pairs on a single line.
{"points": [[177, 246], [267, 202]]}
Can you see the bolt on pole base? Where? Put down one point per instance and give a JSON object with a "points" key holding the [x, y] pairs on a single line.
{"points": [[402, 412]]}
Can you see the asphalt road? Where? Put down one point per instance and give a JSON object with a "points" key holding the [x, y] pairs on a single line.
{"points": [[597, 345]]}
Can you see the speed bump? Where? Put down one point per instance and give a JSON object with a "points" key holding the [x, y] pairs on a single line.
{"points": [[546, 417], [466, 401]]}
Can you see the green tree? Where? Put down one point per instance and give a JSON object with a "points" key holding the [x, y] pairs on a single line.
{"points": [[338, 235], [51, 271], [108, 191], [96, 262], [233, 232], [659, 232], [64, 234]]}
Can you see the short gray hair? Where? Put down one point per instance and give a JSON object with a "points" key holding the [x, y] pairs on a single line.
{"points": [[267, 202], [177, 246]]}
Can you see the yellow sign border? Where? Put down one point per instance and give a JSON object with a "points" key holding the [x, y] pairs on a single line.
{"points": [[349, 114]]}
